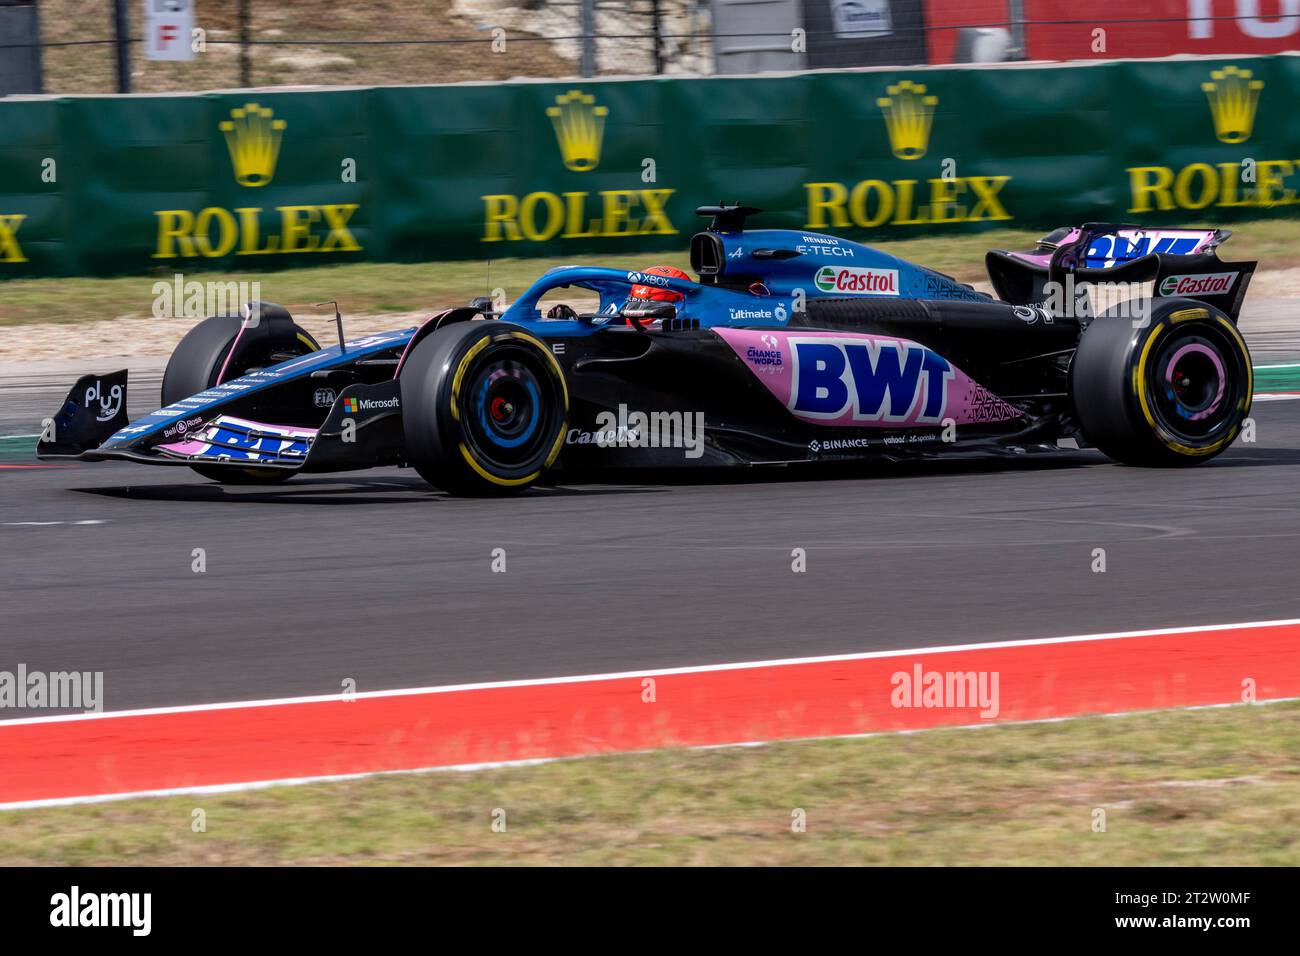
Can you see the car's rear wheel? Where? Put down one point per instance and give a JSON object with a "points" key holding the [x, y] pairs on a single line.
{"points": [[484, 408], [1173, 390], [214, 351]]}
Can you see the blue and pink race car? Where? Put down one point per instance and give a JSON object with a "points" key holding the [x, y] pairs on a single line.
{"points": [[789, 348]]}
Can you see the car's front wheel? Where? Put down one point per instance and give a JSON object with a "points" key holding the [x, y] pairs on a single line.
{"points": [[484, 408]]}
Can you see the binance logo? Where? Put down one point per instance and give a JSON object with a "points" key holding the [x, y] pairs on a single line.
{"points": [[253, 139], [579, 128], [1233, 97], [908, 114]]}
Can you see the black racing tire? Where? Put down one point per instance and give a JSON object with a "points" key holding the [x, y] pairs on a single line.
{"points": [[197, 361], [1171, 391], [485, 408]]}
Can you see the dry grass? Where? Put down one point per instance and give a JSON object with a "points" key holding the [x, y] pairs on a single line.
{"points": [[1215, 787]]}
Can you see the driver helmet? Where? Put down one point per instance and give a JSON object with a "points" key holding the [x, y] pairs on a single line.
{"points": [[648, 300]]}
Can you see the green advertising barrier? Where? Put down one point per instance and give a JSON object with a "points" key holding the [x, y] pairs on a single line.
{"points": [[261, 179]]}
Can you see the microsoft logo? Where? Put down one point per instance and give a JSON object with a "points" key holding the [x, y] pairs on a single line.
{"points": [[351, 406]]}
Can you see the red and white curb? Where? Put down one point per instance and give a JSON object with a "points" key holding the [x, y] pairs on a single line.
{"points": [[251, 744]]}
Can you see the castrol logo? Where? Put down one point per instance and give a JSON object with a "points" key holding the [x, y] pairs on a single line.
{"points": [[846, 280], [1212, 284]]}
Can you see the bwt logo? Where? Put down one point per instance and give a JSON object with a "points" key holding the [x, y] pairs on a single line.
{"points": [[876, 380], [1105, 251]]}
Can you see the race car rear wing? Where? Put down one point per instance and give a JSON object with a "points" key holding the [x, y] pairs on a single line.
{"points": [[1180, 262], [93, 412]]}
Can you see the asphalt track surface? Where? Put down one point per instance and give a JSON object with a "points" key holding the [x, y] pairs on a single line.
{"points": [[377, 578]]}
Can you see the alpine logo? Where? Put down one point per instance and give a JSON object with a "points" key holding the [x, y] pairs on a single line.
{"points": [[848, 280], [1212, 284], [874, 380]]}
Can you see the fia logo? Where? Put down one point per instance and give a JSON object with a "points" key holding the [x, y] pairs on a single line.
{"points": [[325, 397]]}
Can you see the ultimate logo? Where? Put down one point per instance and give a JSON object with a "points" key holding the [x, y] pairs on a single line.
{"points": [[578, 122], [253, 138], [908, 112], [1233, 96]]}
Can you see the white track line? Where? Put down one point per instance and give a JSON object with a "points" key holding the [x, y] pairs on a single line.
{"points": [[47, 524], [625, 675], [1276, 396]]}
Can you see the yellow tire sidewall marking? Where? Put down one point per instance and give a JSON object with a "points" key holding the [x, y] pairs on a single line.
{"points": [[1139, 383], [457, 379]]}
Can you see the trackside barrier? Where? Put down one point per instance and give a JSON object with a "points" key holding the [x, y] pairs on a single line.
{"points": [[251, 180]]}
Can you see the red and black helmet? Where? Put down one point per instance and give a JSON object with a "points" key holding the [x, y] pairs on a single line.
{"points": [[654, 293], [647, 300]]}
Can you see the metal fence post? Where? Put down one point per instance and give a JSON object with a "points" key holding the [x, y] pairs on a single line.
{"points": [[588, 37], [1016, 14], [245, 52], [656, 26], [122, 32]]}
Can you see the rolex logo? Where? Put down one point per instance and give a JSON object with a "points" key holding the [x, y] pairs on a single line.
{"points": [[908, 113], [1233, 97], [253, 139], [579, 128]]}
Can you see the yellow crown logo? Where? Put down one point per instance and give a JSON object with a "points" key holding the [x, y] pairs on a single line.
{"points": [[579, 128], [253, 139], [1233, 97], [908, 114]]}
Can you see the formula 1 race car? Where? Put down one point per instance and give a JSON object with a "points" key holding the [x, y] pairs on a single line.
{"points": [[791, 348]]}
